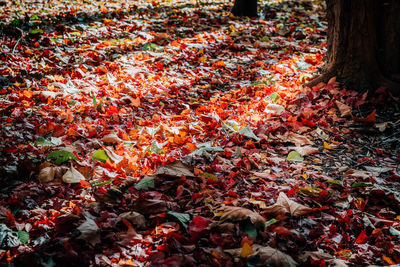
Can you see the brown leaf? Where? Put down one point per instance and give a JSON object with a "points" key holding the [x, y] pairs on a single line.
{"points": [[89, 232], [176, 169], [370, 119], [134, 217], [305, 150], [359, 174], [317, 255], [298, 140], [273, 257], [285, 205], [239, 214], [46, 175], [150, 206], [344, 109], [111, 138], [72, 176]]}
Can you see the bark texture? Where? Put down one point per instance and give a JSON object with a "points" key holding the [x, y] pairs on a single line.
{"points": [[363, 43], [245, 8]]}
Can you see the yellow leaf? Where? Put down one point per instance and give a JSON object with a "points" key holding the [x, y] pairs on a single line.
{"points": [[246, 251], [304, 175], [327, 146]]}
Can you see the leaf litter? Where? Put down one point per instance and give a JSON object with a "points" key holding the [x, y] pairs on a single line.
{"points": [[161, 133]]}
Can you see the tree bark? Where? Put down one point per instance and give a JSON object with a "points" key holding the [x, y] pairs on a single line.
{"points": [[363, 42], [245, 8]]}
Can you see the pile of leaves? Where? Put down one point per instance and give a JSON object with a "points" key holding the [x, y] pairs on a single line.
{"points": [[174, 134]]}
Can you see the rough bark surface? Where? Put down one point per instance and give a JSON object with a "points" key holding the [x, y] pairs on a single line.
{"points": [[363, 39], [245, 8]]}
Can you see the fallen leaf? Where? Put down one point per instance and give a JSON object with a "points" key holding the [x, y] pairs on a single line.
{"points": [[89, 232], [294, 156], [111, 138], [246, 250], [362, 238], [318, 255], [273, 257], [305, 150], [344, 109], [176, 169], [370, 119], [298, 140], [239, 214], [46, 175], [359, 174], [72, 176], [284, 205], [135, 218], [274, 109]]}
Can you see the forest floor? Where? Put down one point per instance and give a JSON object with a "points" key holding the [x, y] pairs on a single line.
{"points": [[173, 134]]}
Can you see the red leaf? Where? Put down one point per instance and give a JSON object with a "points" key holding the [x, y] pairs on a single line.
{"points": [[362, 238]]}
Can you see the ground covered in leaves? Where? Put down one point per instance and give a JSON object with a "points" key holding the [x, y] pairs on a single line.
{"points": [[173, 134]]}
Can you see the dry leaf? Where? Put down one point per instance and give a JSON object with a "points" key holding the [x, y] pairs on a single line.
{"points": [[370, 119], [298, 140], [134, 217], [111, 138], [72, 176], [285, 205], [89, 232], [272, 257], [112, 155], [46, 175], [150, 206], [344, 109], [317, 255], [239, 214], [246, 250], [274, 109], [176, 169], [305, 150], [359, 174]]}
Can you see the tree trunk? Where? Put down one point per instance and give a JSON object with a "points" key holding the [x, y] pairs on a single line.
{"points": [[245, 8], [363, 43]]}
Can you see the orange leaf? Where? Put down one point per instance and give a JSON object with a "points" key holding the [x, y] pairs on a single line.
{"points": [[85, 184], [135, 102], [388, 260], [246, 251], [369, 119]]}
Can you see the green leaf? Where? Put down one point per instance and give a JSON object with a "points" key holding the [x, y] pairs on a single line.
{"points": [[183, 218], [149, 46], [61, 156], [335, 182], [36, 31], [102, 183], [23, 236], [53, 141], [94, 100], [146, 183], [294, 156], [274, 97], [250, 230], [100, 155], [359, 184], [34, 17], [16, 22], [270, 222], [265, 39]]}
